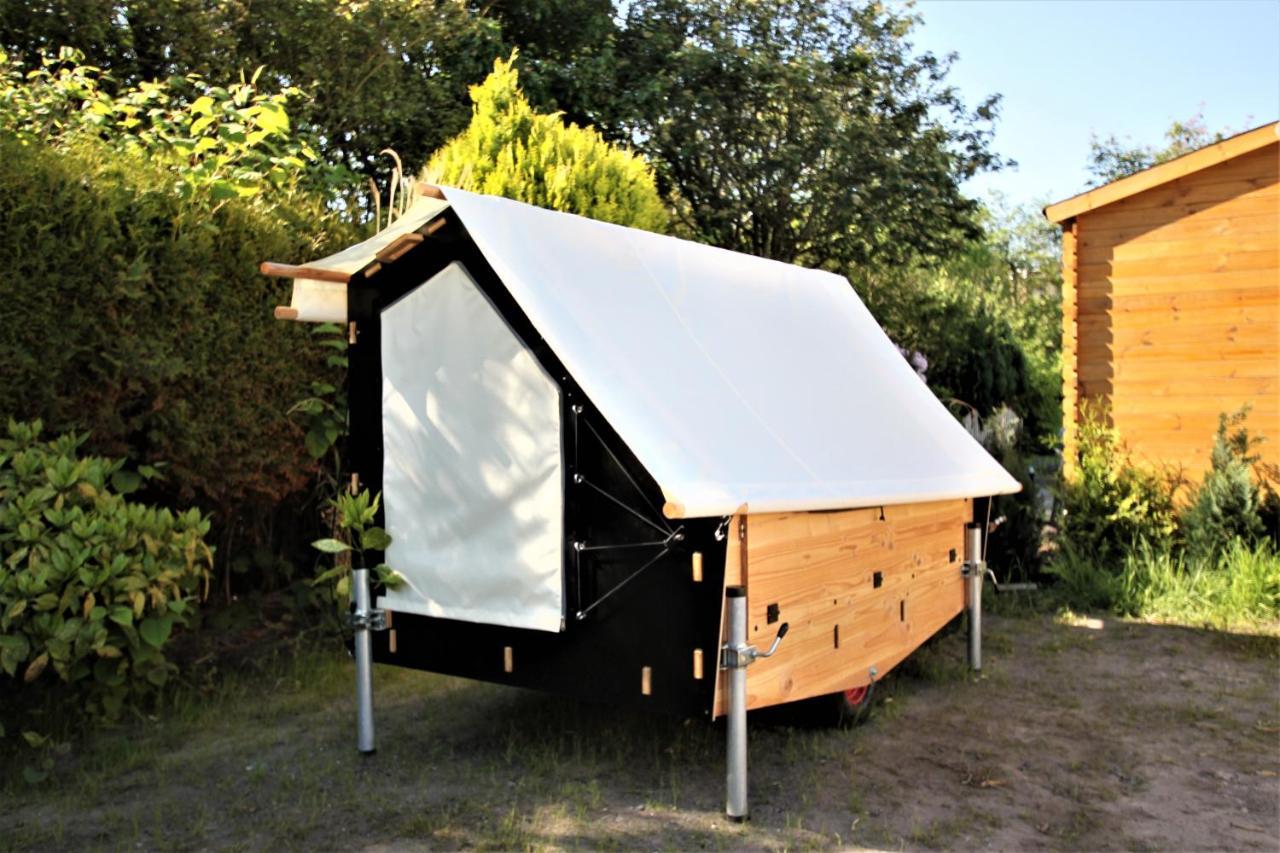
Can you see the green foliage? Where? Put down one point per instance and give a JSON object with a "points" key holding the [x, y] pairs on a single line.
{"points": [[1120, 548], [800, 130], [510, 150], [131, 224], [1228, 504], [140, 314], [1234, 587], [1110, 159], [92, 585], [1110, 507], [381, 73], [357, 534], [226, 141]]}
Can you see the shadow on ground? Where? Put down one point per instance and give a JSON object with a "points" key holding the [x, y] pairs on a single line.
{"points": [[1079, 735]]}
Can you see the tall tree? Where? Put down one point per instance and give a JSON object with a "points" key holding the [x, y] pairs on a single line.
{"points": [[1111, 159], [802, 130], [381, 73], [512, 151]]}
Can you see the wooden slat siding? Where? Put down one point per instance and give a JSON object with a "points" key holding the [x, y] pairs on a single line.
{"points": [[818, 568], [1136, 303], [1177, 309], [1209, 227], [1140, 250], [1070, 345]]}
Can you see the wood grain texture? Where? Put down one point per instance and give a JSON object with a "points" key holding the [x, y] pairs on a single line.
{"points": [[819, 570], [1175, 308], [1070, 343]]}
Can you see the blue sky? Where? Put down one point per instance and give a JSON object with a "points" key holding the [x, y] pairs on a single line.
{"points": [[1067, 68]]}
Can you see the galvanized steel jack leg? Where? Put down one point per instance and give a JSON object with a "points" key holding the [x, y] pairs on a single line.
{"points": [[974, 571], [735, 658], [364, 620]]}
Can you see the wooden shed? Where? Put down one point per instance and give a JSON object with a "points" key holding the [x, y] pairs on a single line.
{"points": [[612, 461], [1171, 300]]}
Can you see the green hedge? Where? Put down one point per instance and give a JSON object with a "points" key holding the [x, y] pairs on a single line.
{"points": [[140, 316]]}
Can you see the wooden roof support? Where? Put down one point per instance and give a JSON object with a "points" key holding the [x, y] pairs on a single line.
{"points": [[402, 244], [429, 190], [314, 273]]}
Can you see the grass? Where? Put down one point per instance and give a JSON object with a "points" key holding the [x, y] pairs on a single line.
{"points": [[266, 759], [1238, 589]]}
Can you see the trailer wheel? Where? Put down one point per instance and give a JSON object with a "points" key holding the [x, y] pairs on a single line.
{"points": [[853, 706]]}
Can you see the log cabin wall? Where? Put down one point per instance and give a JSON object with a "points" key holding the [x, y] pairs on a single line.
{"points": [[859, 588], [1172, 310]]}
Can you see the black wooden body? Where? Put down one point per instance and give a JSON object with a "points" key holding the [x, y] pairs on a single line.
{"points": [[656, 620]]}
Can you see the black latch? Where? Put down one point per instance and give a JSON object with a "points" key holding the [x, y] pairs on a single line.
{"points": [[877, 579], [771, 614]]}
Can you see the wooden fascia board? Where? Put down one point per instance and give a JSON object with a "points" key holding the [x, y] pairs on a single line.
{"points": [[1203, 158]]}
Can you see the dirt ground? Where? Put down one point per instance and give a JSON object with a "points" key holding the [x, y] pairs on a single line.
{"points": [[1079, 735]]}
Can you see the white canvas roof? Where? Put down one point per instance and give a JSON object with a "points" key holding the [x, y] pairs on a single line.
{"points": [[734, 380]]}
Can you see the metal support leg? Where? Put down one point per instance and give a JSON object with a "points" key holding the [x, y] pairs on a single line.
{"points": [[363, 616], [975, 571], [736, 801]]}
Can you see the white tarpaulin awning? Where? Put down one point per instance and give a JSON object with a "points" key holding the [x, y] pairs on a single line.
{"points": [[734, 380]]}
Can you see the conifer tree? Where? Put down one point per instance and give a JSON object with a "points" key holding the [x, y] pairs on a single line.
{"points": [[510, 150]]}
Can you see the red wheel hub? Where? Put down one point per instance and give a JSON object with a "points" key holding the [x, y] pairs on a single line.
{"points": [[855, 695]]}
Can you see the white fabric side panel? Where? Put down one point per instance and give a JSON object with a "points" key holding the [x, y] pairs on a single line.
{"points": [[472, 485], [732, 378], [319, 301]]}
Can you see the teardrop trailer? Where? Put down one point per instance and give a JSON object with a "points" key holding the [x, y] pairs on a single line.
{"points": [[631, 468]]}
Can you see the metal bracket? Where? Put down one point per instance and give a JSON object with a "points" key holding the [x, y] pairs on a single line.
{"points": [[374, 620], [742, 656]]}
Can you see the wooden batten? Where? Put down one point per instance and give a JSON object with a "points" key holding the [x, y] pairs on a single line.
{"points": [[697, 664], [697, 566], [314, 273], [508, 659], [646, 681], [430, 190], [284, 312], [399, 247]]}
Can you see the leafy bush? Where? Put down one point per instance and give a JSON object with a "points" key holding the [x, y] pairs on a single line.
{"points": [[510, 150], [91, 584], [1229, 503], [1110, 506], [231, 141], [975, 355]]}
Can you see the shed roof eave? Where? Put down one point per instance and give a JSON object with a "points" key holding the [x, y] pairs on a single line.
{"points": [[1211, 155]]}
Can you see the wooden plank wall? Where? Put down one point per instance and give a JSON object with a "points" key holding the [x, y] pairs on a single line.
{"points": [[1177, 309], [1070, 347], [818, 569]]}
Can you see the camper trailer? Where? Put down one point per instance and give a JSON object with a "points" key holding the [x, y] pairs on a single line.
{"points": [[631, 468]]}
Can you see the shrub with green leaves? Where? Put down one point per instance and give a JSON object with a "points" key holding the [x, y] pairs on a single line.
{"points": [[92, 584], [1111, 506], [353, 517]]}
